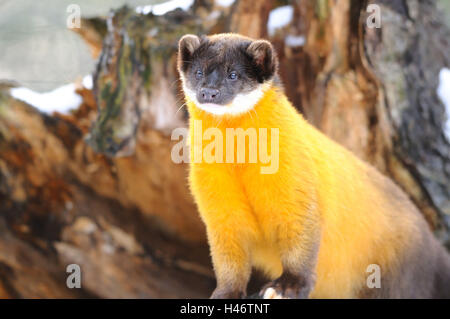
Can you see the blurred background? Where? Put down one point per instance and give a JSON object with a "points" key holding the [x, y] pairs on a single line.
{"points": [[89, 96]]}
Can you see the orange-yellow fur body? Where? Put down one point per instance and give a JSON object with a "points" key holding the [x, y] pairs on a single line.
{"points": [[320, 188]]}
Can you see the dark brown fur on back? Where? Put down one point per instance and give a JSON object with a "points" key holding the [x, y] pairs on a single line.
{"points": [[423, 271]]}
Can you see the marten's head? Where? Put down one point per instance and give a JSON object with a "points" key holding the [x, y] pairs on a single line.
{"points": [[225, 73]]}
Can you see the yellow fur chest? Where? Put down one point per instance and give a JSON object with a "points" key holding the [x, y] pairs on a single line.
{"points": [[269, 197]]}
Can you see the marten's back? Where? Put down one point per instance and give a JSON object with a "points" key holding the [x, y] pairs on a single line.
{"points": [[367, 219], [364, 217]]}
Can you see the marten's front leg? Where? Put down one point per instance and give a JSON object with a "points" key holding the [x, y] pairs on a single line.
{"points": [[230, 225], [231, 260], [299, 245]]}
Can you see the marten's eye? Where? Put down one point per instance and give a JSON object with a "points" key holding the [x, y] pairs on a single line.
{"points": [[233, 76], [198, 74]]}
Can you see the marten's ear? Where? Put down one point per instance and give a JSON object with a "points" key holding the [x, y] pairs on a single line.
{"points": [[186, 47], [264, 58]]}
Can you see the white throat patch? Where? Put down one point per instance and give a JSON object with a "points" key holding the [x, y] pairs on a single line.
{"points": [[242, 103]]}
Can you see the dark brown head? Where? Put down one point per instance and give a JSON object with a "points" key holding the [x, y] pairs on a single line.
{"points": [[225, 73]]}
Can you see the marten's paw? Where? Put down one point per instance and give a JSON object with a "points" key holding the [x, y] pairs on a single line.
{"points": [[288, 286]]}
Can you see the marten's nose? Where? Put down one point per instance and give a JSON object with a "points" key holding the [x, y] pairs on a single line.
{"points": [[209, 95]]}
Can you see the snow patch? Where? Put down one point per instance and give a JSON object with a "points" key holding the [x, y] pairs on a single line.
{"points": [[87, 82], [443, 91], [224, 3], [163, 8], [213, 15], [279, 18], [294, 40], [62, 99]]}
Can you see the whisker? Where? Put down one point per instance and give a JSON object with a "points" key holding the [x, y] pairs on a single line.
{"points": [[256, 113], [179, 99], [250, 113], [184, 104], [220, 118]]}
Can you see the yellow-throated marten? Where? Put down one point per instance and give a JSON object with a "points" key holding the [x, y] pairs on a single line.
{"points": [[316, 222]]}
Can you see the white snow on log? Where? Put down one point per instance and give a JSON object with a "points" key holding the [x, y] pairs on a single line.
{"points": [[279, 18], [163, 8], [224, 3], [213, 15], [88, 82], [294, 40], [443, 92], [62, 99]]}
